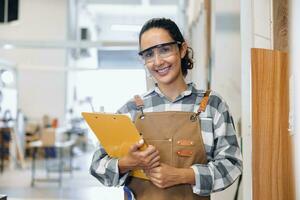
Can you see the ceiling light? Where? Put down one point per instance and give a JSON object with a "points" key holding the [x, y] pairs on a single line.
{"points": [[8, 46], [7, 77]]}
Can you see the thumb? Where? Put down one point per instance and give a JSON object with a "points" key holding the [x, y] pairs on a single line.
{"points": [[137, 145]]}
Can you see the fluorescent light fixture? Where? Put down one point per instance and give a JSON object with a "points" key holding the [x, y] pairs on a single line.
{"points": [[7, 77], [129, 28], [8, 46]]}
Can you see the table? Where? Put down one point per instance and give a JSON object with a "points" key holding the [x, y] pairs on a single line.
{"points": [[60, 146], [2, 153], [3, 197], [3, 131]]}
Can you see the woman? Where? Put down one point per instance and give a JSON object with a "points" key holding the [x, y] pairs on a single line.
{"points": [[192, 147]]}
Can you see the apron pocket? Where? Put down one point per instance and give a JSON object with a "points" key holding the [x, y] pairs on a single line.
{"points": [[164, 147], [185, 153], [184, 156]]}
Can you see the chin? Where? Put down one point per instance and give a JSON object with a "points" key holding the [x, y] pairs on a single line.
{"points": [[164, 80]]}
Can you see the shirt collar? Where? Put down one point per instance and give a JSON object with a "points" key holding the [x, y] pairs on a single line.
{"points": [[190, 90]]}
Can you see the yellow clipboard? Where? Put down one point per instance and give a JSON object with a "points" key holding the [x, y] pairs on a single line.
{"points": [[116, 133]]}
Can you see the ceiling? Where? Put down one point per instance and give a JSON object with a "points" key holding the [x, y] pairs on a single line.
{"points": [[119, 21], [116, 23], [134, 2]]}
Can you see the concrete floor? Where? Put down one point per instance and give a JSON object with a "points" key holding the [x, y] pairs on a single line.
{"points": [[15, 183]]}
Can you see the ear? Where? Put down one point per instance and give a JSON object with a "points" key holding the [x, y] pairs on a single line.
{"points": [[183, 49]]}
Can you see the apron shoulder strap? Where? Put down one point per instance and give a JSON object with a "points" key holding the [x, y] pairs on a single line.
{"points": [[204, 101], [139, 104], [138, 101]]}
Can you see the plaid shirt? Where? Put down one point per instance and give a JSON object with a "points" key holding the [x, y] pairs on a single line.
{"points": [[223, 153]]}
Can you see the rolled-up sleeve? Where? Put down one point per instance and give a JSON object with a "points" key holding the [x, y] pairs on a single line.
{"points": [[106, 169], [225, 166]]}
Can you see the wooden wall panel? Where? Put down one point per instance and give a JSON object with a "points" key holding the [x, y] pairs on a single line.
{"points": [[281, 24], [271, 141], [208, 9]]}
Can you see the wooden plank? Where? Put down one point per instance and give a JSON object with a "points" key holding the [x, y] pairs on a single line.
{"points": [[18, 147], [280, 24], [271, 141], [208, 9]]}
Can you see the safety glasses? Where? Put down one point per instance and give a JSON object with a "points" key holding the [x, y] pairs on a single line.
{"points": [[162, 50]]}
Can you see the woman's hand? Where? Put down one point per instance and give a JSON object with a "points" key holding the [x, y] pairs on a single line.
{"points": [[137, 159], [165, 176]]}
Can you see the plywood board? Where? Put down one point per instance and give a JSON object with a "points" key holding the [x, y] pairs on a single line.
{"points": [[271, 141]]}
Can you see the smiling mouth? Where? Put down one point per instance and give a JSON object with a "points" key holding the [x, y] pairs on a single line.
{"points": [[163, 71]]}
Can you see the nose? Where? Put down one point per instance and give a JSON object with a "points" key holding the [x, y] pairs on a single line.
{"points": [[157, 59]]}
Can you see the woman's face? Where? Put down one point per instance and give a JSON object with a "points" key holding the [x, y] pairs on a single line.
{"points": [[163, 62]]}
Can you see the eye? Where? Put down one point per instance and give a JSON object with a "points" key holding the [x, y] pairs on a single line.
{"points": [[165, 49], [148, 54]]}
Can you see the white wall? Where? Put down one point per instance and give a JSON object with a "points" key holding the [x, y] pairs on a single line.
{"points": [[262, 23], [199, 74], [226, 60], [246, 44], [256, 31], [42, 92], [226, 56], [226, 64], [41, 89], [295, 62]]}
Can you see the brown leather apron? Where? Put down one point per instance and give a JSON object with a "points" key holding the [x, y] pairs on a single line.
{"points": [[178, 138]]}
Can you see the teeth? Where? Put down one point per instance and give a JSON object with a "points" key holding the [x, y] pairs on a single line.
{"points": [[163, 70]]}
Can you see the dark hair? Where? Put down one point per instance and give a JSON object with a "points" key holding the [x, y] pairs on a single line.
{"points": [[173, 30]]}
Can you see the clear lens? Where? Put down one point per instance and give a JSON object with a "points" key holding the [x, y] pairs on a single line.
{"points": [[166, 50]]}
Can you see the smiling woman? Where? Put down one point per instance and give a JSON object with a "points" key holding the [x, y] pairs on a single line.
{"points": [[192, 146]]}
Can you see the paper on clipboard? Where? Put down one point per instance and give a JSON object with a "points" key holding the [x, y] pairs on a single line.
{"points": [[116, 133]]}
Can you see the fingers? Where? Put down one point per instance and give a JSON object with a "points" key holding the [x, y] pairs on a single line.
{"points": [[150, 157], [155, 171], [158, 182], [147, 154], [155, 161], [145, 159], [165, 176], [136, 146], [157, 177], [152, 154], [150, 150]]}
